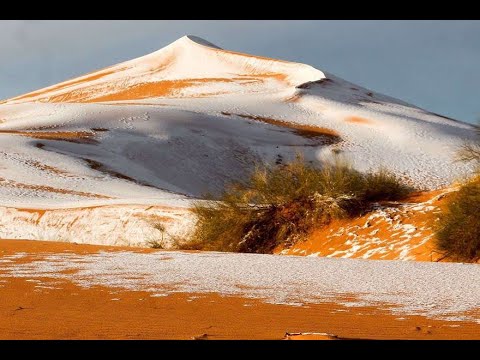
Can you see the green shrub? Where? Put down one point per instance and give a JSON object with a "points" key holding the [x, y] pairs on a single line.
{"points": [[281, 205], [384, 185], [220, 225], [458, 232]]}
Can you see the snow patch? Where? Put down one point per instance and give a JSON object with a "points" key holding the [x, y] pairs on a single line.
{"points": [[446, 291]]}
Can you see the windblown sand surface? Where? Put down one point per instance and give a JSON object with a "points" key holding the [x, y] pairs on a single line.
{"points": [[392, 231], [46, 297]]}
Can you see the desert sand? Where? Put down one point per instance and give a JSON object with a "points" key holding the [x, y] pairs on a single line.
{"points": [[69, 311]]}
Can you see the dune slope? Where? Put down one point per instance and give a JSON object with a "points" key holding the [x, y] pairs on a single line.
{"points": [[165, 128]]}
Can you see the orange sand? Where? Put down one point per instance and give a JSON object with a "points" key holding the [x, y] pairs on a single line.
{"points": [[294, 98], [50, 169], [339, 235], [139, 91], [81, 137], [358, 120], [164, 88], [95, 76], [76, 313], [308, 131]]}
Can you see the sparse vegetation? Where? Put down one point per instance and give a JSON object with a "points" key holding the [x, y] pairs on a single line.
{"points": [[383, 185], [458, 232], [470, 151], [458, 229], [157, 243], [282, 204]]}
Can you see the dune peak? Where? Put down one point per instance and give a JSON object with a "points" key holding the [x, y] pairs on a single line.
{"points": [[200, 41]]}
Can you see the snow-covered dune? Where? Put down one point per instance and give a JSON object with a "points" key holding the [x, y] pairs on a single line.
{"points": [[188, 66], [173, 125]]}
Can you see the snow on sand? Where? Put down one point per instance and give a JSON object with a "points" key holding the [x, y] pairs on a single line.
{"points": [[189, 118], [446, 291]]}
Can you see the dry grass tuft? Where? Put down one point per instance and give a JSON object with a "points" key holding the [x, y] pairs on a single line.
{"points": [[281, 205], [458, 230]]}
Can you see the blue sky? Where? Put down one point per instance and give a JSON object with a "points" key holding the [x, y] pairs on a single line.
{"points": [[432, 64]]}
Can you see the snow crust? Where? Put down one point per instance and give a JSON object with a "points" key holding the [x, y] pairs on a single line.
{"points": [[203, 131], [448, 291]]}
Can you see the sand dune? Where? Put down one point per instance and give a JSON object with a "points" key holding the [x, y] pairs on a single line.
{"points": [[166, 128], [392, 231]]}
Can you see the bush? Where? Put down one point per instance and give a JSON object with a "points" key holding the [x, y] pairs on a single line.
{"points": [[458, 232], [157, 243], [220, 225], [383, 185], [470, 151], [280, 205]]}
